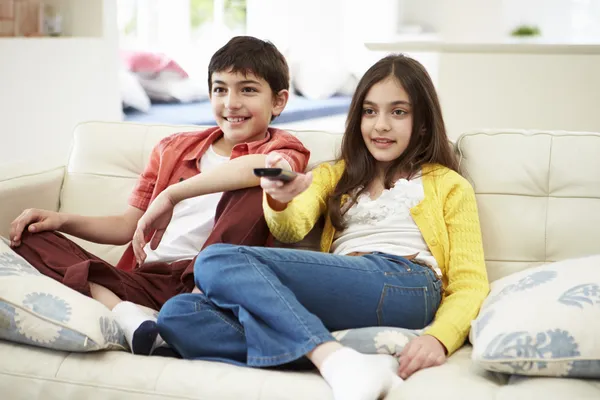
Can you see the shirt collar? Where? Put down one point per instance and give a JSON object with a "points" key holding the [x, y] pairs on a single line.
{"points": [[196, 152], [259, 143]]}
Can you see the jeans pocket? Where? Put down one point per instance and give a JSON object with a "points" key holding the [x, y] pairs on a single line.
{"points": [[405, 307], [405, 265]]}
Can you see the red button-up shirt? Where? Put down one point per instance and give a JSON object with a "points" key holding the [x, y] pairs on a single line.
{"points": [[177, 157]]}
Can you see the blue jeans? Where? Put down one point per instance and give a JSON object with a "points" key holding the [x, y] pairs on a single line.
{"points": [[264, 307]]}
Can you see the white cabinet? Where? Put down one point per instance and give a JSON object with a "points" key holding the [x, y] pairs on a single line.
{"points": [[49, 85]]}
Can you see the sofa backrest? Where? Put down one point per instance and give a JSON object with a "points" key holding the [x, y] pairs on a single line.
{"points": [[538, 195], [538, 192]]}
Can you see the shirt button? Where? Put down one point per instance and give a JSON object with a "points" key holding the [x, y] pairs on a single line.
{"points": [[434, 242], [416, 211]]}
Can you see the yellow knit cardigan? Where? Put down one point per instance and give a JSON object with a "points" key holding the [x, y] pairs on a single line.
{"points": [[448, 221]]}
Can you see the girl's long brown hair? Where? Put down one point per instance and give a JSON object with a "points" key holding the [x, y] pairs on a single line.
{"points": [[428, 142]]}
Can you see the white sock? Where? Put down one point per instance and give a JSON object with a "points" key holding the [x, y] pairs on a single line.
{"points": [[130, 316], [356, 376]]}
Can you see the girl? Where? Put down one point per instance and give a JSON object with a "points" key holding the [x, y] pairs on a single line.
{"points": [[401, 247]]}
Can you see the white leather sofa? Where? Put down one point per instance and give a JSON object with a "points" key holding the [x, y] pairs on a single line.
{"points": [[538, 201]]}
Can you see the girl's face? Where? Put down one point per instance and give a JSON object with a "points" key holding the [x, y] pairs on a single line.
{"points": [[386, 123]]}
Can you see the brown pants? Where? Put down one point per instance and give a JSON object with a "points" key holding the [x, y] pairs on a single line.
{"points": [[239, 220]]}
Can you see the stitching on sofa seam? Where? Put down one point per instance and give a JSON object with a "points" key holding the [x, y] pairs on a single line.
{"points": [[530, 133], [547, 202], [113, 388], [103, 175], [61, 363], [535, 196], [38, 173], [159, 375], [145, 144], [516, 261]]}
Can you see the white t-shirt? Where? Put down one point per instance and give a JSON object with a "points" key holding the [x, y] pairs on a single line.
{"points": [[192, 222], [385, 224]]}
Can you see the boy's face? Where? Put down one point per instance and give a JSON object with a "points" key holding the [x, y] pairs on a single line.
{"points": [[243, 105]]}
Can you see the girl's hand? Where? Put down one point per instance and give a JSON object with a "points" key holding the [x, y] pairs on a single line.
{"points": [[283, 192], [156, 218], [421, 352]]}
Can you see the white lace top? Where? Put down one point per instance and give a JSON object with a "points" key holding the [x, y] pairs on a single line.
{"points": [[385, 224]]}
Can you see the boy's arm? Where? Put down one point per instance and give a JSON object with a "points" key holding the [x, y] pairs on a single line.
{"points": [[116, 229], [233, 175]]}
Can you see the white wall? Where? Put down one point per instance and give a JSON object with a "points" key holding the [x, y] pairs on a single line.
{"points": [[521, 91], [493, 20], [50, 85], [327, 34], [270, 19], [298, 26]]}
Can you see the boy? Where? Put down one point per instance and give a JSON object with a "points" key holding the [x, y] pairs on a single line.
{"points": [[182, 188]]}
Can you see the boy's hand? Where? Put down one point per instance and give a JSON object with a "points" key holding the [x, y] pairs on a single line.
{"points": [[34, 220], [156, 218], [283, 192], [421, 352]]}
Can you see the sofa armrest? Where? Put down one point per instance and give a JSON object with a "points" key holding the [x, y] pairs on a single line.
{"points": [[22, 186]]}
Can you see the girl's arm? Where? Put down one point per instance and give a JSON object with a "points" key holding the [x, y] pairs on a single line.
{"points": [[291, 222], [468, 283]]}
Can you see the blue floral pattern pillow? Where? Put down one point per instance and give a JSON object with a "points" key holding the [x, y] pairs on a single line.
{"points": [[39, 311], [544, 321], [377, 339]]}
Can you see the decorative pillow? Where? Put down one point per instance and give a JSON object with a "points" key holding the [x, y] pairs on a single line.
{"points": [[150, 64], [542, 321], [132, 92], [319, 79], [167, 87], [40, 311], [377, 340]]}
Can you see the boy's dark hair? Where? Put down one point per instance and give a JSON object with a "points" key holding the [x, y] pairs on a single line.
{"points": [[247, 54], [428, 142]]}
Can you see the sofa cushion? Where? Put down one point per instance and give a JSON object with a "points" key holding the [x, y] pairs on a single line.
{"points": [[543, 321], [25, 372], [39, 311]]}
